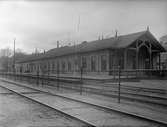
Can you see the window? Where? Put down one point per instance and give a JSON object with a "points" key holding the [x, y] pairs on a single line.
{"points": [[57, 66], [63, 66], [134, 62], [103, 63], [84, 62], [48, 67], [93, 63], [53, 66], [44, 67], [76, 63], [69, 66]]}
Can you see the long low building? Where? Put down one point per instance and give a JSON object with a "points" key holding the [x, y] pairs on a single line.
{"points": [[139, 50]]}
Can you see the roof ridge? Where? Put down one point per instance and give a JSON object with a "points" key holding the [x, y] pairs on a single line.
{"points": [[121, 41], [113, 37]]}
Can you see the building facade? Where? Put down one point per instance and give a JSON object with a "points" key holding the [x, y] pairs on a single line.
{"points": [[133, 51]]}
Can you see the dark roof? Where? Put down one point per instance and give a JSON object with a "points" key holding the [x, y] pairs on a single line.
{"points": [[122, 41]]}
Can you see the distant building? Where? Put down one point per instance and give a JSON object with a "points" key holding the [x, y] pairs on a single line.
{"points": [[133, 51]]}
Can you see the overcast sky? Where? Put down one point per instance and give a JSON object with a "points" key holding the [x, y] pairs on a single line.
{"points": [[40, 24]]}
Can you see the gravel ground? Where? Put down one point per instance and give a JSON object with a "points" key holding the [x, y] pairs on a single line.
{"points": [[123, 120], [20, 112], [93, 115]]}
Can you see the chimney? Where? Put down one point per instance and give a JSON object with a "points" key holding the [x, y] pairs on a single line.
{"points": [[36, 51], [99, 38], [116, 33], [148, 28], [102, 37], [44, 52], [57, 44]]}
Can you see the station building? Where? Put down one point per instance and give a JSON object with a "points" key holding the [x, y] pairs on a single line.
{"points": [[139, 50]]}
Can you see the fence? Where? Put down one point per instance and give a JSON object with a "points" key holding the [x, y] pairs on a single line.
{"points": [[56, 76]]}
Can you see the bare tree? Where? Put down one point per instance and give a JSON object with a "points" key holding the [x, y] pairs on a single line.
{"points": [[6, 52], [7, 56]]}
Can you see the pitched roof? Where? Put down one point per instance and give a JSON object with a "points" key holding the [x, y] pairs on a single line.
{"points": [[122, 41]]}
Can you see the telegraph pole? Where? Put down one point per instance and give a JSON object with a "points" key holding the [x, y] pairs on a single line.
{"points": [[80, 67], [78, 24], [14, 56], [76, 66]]}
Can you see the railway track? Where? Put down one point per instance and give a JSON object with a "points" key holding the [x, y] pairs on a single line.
{"points": [[33, 100], [94, 82], [138, 116], [131, 96], [91, 82], [127, 93], [19, 111], [147, 99]]}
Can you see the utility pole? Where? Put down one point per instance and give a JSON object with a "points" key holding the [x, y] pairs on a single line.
{"points": [[78, 24], [14, 60], [76, 66], [14, 56]]}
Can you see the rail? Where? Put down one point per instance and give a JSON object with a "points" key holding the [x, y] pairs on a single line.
{"points": [[48, 79]]}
